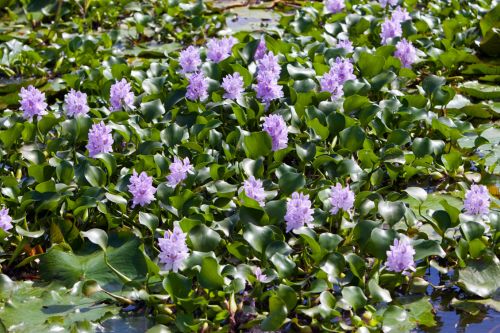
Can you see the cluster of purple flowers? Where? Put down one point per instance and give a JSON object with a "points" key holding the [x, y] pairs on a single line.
{"points": [[268, 73], [142, 189], [173, 249], [100, 139], [233, 85], [345, 44], [477, 200], [276, 127], [341, 198], [179, 170], [253, 189], [391, 28], [384, 3], [32, 102], [76, 103], [220, 49], [197, 87], [333, 82], [406, 53], [190, 60], [298, 211], [5, 219], [400, 257], [334, 6], [121, 96], [261, 50], [257, 271]]}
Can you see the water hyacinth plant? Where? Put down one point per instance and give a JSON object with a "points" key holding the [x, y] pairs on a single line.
{"points": [[333, 169]]}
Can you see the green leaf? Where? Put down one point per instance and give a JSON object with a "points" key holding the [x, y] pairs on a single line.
{"points": [[392, 212], [397, 320], [283, 264], [417, 193], [380, 241], [277, 314], [356, 103], [177, 285], [95, 176], [150, 221], [452, 161], [152, 110], [258, 237], [378, 293], [354, 296], [209, 276], [472, 230], [480, 277], [425, 248], [432, 83], [480, 90], [421, 311], [203, 238], [289, 182], [245, 74], [34, 308], [370, 65], [257, 144], [300, 73], [122, 253], [97, 236], [319, 128], [352, 138], [288, 295]]}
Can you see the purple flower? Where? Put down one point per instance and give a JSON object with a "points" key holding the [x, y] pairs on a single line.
{"points": [[477, 200], [341, 198], [267, 87], [253, 189], [197, 87], [173, 249], [178, 171], [400, 15], [406, 53], [32, 102], [5, 219], [121, 96], [298, 211], [400, 257], [220, 49], [189, 59], [334, 6], [142, 189], [276, 127], [345, 44], [269, 63], [333, 82], [100, 139], [261, 50], [233, 85], [257, 271], [390, 29], [76, 103], [384, 3]]}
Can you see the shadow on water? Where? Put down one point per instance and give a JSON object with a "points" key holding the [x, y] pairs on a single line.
{"points": [[449, 319]]}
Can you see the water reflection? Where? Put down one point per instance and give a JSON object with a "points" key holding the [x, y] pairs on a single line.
{"points": [[126, 324]]}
